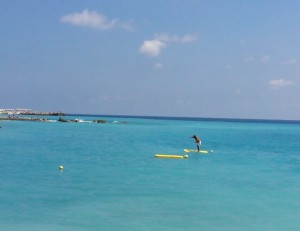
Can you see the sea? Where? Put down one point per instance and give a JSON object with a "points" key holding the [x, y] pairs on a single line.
{"points": [[111, 181]]}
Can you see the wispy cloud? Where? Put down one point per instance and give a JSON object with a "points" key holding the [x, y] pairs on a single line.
{"points": [[175, 38], [94, 20], [153, 47], [279, 83]]}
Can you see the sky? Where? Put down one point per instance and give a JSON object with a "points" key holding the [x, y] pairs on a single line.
{"points": [[192, 58]]}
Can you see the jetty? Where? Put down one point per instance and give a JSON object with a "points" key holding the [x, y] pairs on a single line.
{"points": [[62, 119], [24, 119]]}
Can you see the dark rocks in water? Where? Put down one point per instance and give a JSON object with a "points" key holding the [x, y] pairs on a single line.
{"points": [[56, 114], [62, 120], [100, 121]]}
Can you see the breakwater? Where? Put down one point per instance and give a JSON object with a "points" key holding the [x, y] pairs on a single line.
{"points": [[60, 119]]}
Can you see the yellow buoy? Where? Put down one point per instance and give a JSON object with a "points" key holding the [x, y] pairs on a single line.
{"points": [[61, 167]]}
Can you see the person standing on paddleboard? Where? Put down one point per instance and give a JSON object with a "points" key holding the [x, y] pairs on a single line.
{"points": [[197, 141]]}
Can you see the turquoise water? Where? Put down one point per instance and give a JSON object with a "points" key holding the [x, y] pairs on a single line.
{"points": [[111, 181]]}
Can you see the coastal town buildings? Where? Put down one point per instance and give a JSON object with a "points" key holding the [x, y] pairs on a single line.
{"points": [[15, 111], [21, 111]]}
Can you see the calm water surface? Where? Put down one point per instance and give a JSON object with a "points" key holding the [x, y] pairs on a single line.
{"points": [[111, 181]]}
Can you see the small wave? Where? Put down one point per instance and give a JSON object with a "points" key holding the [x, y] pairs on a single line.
{"points": [[84, 121]]}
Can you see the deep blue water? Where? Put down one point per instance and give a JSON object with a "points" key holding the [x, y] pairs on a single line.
{"points": [[111, 180]]}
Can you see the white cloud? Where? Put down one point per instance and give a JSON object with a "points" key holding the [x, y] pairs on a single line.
{"points": [[278, 83], [152, 47], [94, 20]]}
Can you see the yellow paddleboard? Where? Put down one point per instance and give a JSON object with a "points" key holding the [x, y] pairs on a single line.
{"points": [[191, 150], [170, 156]]}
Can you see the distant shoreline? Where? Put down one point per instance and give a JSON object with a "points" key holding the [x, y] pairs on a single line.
{"points": [[29, 112]]}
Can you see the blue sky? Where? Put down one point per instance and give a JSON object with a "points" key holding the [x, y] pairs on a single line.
{"points": [[205, 58]]}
